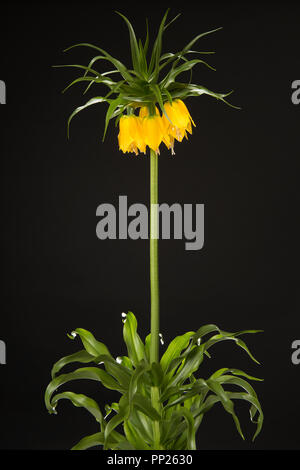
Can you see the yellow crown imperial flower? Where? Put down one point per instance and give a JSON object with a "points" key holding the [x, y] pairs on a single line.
{"points": [[138, 132], [151, 85]]}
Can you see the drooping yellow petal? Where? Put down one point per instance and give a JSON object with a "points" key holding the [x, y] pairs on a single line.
{"points": [[130, 135], [152, 132], [152, 128], [138, 132], [125, 138], [180, 119]]}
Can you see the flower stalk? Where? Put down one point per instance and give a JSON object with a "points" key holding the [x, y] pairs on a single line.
{"points": [[154, 286], [154, 274]]}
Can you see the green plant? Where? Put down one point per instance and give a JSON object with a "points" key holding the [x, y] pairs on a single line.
{"points": [[163, 401]]}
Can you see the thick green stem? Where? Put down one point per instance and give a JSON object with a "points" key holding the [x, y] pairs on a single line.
{"points": [[154, 279], [154, 286]]}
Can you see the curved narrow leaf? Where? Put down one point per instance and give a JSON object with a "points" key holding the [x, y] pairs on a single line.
{"points": [[115, 421], [144, 405], [83, 401], [119, 66], [116, 441], [80, 356], [232, 337], [135, 346], [156, 51], [110, 112], [143, 424], [141, 369], [98, 79], [199, 36], [204, 330], [92, 373], [174, 349], [87, 442], [190, 365], [116, 370], [220, 374], [92, 346], [133, 436], [97, 99], [226, 402], [190, 431], [187, 66], [135, 52], [255, 403]]}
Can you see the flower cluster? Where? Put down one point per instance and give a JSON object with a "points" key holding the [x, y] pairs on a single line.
{"points": [[151, 85], [138, 132]]}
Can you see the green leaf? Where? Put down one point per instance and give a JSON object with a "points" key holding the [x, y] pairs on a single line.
{"points": [[146, 44], [117, 419], [186, 393], [156, 51], [187, 66], [199, 36], [116, 441], [191, 438], [87, 442], [157, 92], [174, 349], [80, 400], [114, 104], [119, 66], [170, 429], [190, 365], [144, 405], [135, 346], [110, 408], [95, 100], [78, 66], [143, 424], [256, 407], [135, 52], [226, 402], [141, 369], [255, 403], [126, 362], [118, 371], [190, 89], [147, 347], [80, 356], [134, 437], [220, 373], [104, 81], [204, 330], [223, 336], [92, 346], [157, 374], [92, 373]]}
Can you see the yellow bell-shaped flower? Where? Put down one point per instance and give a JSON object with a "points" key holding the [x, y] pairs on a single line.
{"points": [[130, 135], [152, 128], [138, 132], [181, 120]]}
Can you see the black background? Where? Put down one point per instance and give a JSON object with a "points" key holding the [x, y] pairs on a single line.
{"points": [[243, 165]]}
